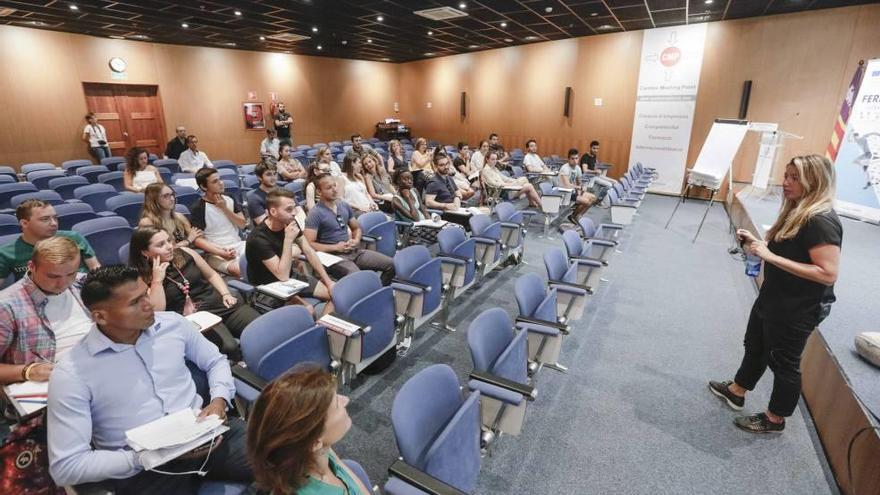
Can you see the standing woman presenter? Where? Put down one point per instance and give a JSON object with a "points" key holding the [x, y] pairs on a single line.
{"points": [[801, 262]]}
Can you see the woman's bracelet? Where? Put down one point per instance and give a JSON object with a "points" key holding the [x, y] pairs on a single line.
{"points": [[26, 371]]}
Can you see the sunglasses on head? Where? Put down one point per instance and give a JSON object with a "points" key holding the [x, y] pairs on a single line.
{"points": [[340, 221]]}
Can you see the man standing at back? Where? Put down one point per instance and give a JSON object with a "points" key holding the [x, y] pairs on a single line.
{"points": [[130, 370], [177, 145], [283, 123], [38, 221], [42, 315]]}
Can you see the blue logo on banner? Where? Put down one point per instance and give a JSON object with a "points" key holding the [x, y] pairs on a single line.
{"points": [[876, 73]]}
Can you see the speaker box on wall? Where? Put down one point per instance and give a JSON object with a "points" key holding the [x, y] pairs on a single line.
{"points": [[566, 110], [463, 104], [744, 100]]}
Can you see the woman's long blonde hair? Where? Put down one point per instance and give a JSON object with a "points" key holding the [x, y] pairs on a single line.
{"points": [[153, 212], [816, 175]]}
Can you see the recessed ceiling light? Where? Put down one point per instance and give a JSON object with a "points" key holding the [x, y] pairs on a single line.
{"points": [[709, 2], [430, 33], [262, 38], [606, 26], [594, 14], [38, 23], [184, 25], [117, 37], [429, 54], [504, 24], [531, 38], [508, 40], [314, 29], [344, 42], [139, 37], [288, 52], [462, 5], [320, 47], [237, 12], [73, 7], [231, 43], [548, 9], [380, 18], [473, 46], [386, 59], [369, 40]]}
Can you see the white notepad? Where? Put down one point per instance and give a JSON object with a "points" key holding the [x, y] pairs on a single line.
{"points": [[173, 435], [338, 325], [283, 290], [203, 320], [328, 259]]}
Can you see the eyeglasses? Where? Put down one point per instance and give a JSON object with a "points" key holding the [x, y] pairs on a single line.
{"points": [[340, 221]]}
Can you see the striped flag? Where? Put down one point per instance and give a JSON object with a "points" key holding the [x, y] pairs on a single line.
{"points": [[843, 118]]}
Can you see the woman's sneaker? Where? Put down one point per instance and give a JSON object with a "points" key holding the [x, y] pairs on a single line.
{"points": [[758, 423], [722, 390]]}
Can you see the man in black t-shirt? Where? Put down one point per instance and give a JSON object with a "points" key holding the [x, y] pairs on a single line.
{"points": [[283, 122], [177, 145], [274, 246], [590, 158]]}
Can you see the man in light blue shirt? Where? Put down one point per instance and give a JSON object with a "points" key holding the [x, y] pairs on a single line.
{"points": [[131, 369]]}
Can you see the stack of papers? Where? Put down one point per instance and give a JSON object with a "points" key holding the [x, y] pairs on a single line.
{"points": [[430, 224], [203, 320], [283, 290], [27, 397], [328, 259], [473, 210], [339, 325], [171, 436]]}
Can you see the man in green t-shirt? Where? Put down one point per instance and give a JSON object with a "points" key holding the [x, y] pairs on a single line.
{"points": [[38, 221]]}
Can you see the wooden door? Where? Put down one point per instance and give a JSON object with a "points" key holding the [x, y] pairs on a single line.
{"points": [[132, 115]]}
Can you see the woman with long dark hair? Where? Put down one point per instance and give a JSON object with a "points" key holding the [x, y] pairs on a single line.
{"points": [[801, 261], [293, 427], [138, 172], [180, 280]]}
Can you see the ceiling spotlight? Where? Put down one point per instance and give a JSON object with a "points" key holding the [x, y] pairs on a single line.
{"points": [[38, 23], [386, 59], [73, 7], [462, 5], [139, 37], [320, 47], [314, 29], [594, 14], [237, 12], [473, 46], [430, 33], [531, 38], [344, 42], [709, 2], [508, 40], [184, 25], [369, 40], [262, 38], [117, 37], [229, 43], [606, 26], [504, 24], [380, 18], [288, 52], [429, 54], [548, 9]]}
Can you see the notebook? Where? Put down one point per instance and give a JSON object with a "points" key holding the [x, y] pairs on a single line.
{"points": [[283, 290], [173, 435], [27, 397]]}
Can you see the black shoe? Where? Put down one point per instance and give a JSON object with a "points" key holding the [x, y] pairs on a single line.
{"points": [[721, 389], [758, 423]]}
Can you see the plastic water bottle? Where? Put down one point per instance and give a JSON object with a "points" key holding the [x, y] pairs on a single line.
{"points": [[753, 265], [435, 217]]}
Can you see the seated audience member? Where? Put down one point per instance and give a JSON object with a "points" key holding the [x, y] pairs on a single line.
{"points": [[96, 136], [325, 156], [38, 221], [357, 144], [274, 246], [355, 185], [192, 159], [492, 177], [41, 315], [378, 182], [138, 172], [256, 199], [461, 181], [159, 212], [591, 159], [420, 164], [181, 281], [495, 145], [221, 220], [269, 146], [532, 161], [441, 191], [130, 369], [327, 230], [396, 157], [177, 145], [464, 168], [312, 196], [408, 208], [289, 168], [293, 453], [478, 157], [571, 177]]}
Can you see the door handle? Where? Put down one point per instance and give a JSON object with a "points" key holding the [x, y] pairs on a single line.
{"points": [[124, 134]]}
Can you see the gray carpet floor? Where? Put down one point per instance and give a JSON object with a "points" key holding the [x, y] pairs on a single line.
{"points": [[633, 415]]}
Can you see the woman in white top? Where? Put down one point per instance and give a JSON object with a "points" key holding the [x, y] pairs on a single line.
{"points": [[138, 172], [95, 134], [492, 177], [478, 157], [324, 156], [355, 187]]}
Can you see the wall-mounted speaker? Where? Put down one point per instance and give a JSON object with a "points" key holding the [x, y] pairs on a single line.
{"points": [[744, 100], [463, 104], [566, 110]]}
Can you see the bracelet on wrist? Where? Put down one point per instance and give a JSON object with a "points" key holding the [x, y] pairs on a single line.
{"points": [[26, 372]]}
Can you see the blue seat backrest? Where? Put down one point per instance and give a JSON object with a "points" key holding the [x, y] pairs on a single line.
{"points": [[92, 172], [272, 329], [529, 290], [112, 161], [573, 244], [308, 346], [128, 206], [483, 226], [41, 178], [9, 225], [376, 224], [7, 191], [65, 185], [95, 195], [50, 197], [169, 163], [115, 179], [33, 167], [488, 336], [415, 264], [555, 263], [587, 226], [505, 211], [70, 214], [106, 235], [361, 297]]}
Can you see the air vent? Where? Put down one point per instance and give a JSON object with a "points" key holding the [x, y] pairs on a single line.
{"points": [[441, 13], [6, 11], [287, 37]]}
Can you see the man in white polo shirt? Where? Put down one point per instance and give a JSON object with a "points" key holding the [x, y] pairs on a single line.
{"points": [[221, 219], [192, 159]]}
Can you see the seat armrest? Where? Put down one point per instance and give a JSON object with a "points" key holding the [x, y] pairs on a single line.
{"points": [[401, 223], [511, 225], [453, 260], [588, 262], [361, 327], [420, 287], [370, 238], [455, 257], [601, 242], [249, 377], [571, 284], [421, 480], [527, 391], [624, 206], [615, 226], [587, 258], [485, 240], [535, 321], [434, 211], [241, 286]]}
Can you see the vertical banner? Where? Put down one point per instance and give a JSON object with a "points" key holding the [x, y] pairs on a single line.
{"points": [[667, 95], [858, 156]]}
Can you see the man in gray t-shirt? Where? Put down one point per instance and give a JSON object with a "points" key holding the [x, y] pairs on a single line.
{"points": [[327, 230]]}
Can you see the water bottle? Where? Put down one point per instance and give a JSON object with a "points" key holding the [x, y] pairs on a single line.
{"points": [[435, 217], [753, 265]]}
